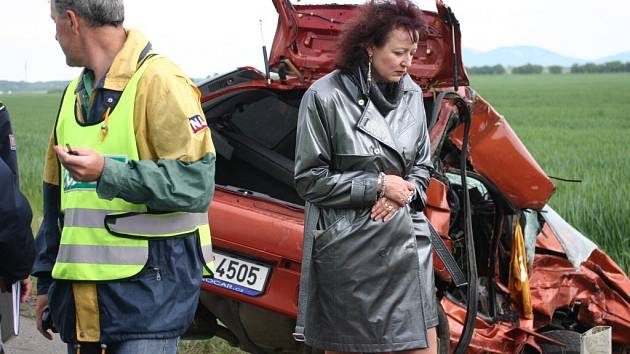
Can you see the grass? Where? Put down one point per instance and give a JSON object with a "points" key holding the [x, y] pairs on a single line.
{"points": [[32, 119], [214, 346], [577, 127]]}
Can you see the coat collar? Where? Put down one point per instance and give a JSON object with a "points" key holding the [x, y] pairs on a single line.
{"points": [[373, 124], [126, 63], [372, 121]]}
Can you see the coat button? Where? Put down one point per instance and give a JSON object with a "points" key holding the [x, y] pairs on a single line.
{"points": [[376, 150], [361, 102]]}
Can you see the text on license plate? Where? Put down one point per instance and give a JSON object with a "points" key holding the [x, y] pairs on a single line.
{"points": [[239, 275]]}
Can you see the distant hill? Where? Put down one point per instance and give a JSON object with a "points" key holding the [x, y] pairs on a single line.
{"points": [[40, 86], [521, 55], [506, 56], [622, 57]]}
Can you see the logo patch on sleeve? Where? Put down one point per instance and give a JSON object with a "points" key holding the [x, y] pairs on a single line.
{"points": [[197, 123], [12, 144]]}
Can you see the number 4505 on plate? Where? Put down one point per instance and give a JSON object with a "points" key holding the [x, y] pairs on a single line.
{"points": [[237, 274]]}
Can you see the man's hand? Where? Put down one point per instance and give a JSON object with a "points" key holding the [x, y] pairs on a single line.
{"points": [[26, 285], [42, 304], [86, 166]]}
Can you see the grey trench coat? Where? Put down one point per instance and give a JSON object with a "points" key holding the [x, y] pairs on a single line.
{"points": [[365, 290]]}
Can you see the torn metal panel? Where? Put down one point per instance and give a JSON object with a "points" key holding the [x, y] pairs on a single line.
{"points": [[598, 290], [548, 241], [306, 37], [499, 155], [576, 246], [488, 337], [439, 214]]}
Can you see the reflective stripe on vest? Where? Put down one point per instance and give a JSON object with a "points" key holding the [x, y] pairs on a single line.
{"points": [[136, 225], [107, 254], [155, 225], [106, 240], [102, 254]]}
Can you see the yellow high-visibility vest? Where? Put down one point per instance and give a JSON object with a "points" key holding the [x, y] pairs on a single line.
{"points": [[106, 240]]}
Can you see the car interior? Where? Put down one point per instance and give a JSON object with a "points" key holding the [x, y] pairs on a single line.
{"points": [[254, 135]]}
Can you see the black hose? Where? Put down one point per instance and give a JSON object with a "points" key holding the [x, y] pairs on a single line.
{"points": [[571, 180], [471, 306]]}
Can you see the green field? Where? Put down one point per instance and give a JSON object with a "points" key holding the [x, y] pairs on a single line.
{"points": [[32, 118], [576, 126]]}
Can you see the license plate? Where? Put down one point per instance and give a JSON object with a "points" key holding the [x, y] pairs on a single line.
{"points": [[239, 275]]}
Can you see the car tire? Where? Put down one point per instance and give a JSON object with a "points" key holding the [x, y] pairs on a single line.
{"points": [[443, 331], [571, 338]]}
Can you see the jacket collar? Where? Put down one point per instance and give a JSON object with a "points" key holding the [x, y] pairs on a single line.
{"points": [[132, 54]]}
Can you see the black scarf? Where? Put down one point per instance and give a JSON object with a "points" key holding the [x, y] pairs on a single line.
{"points": [[385, 96]]}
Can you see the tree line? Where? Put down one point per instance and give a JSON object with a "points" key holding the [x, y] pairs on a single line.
{"points": [[527, 69]]}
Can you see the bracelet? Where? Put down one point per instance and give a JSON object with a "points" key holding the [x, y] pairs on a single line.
{"points": [[380, 184], [383, 186]]}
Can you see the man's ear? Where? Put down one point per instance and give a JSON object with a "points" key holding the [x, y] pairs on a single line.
{"points": [[74, 21]]}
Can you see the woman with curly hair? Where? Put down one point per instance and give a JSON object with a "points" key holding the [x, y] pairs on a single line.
{"points": [[362, 164]]}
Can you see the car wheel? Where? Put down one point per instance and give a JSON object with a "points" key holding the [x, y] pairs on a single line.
{"points": [[443, 331], [570, 338]]}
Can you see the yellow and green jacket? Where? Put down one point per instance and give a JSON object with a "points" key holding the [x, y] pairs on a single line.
{"points": [[164, 166]]}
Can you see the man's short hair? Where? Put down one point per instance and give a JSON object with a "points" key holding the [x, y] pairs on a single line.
{"points": [[96, 12]]}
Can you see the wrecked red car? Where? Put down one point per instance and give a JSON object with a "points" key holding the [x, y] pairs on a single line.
{"points": [[487, 200]]}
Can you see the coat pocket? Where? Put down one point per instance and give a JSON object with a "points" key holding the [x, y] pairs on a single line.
{"points": [[324, 239]]}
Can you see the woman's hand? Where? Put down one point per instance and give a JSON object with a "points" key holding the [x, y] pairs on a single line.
{"points": [[384, 209], [397, 189]]}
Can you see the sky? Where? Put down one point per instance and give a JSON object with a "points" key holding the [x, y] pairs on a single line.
{"points": [[215, 36]]}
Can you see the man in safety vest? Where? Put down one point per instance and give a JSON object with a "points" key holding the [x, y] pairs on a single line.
{"points": [[128, 179]]}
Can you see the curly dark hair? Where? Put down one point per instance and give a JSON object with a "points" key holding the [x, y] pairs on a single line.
{"points": [[371, 25]]}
